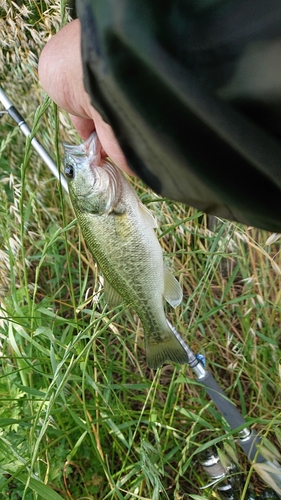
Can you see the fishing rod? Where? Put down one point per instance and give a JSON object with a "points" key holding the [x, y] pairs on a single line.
{"points": [[248, 439], [17, 117]]}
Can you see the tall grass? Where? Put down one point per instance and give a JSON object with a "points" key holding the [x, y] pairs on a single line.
{"points": [[81, 415]]}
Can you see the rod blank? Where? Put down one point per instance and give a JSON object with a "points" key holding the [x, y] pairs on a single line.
{"points": [[8, 105]]}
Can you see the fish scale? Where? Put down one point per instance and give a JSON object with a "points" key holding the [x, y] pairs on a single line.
{"points": [[119, 232]]}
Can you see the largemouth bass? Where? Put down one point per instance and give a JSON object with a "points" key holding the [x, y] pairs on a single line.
{"points": [[119, 231]]}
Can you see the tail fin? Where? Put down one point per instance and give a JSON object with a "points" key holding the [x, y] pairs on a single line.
{"points": [[169, 349]]}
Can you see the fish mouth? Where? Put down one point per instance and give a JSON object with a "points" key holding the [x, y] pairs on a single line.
{"points": [[91, 147], [73, 149]]}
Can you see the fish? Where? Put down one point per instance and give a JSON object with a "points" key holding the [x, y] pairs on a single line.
{"points": [[120, 233]]}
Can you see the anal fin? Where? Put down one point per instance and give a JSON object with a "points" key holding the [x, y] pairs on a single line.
{"points": [[172, 289]]}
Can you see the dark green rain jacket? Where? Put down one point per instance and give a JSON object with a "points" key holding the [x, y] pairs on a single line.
{"points": [[192, 90]]}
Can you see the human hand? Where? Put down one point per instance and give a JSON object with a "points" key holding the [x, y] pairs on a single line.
{"points": [[61, 76]]}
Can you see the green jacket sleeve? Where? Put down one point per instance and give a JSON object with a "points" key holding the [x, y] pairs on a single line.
{"points": [[192, 90]]}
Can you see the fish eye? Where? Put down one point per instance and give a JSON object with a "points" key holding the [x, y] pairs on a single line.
{"points": [[69, 171]]}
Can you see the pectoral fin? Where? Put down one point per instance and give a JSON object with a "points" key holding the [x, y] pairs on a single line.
{"points": [[147, 215], [172, 289], [112, 297]]}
